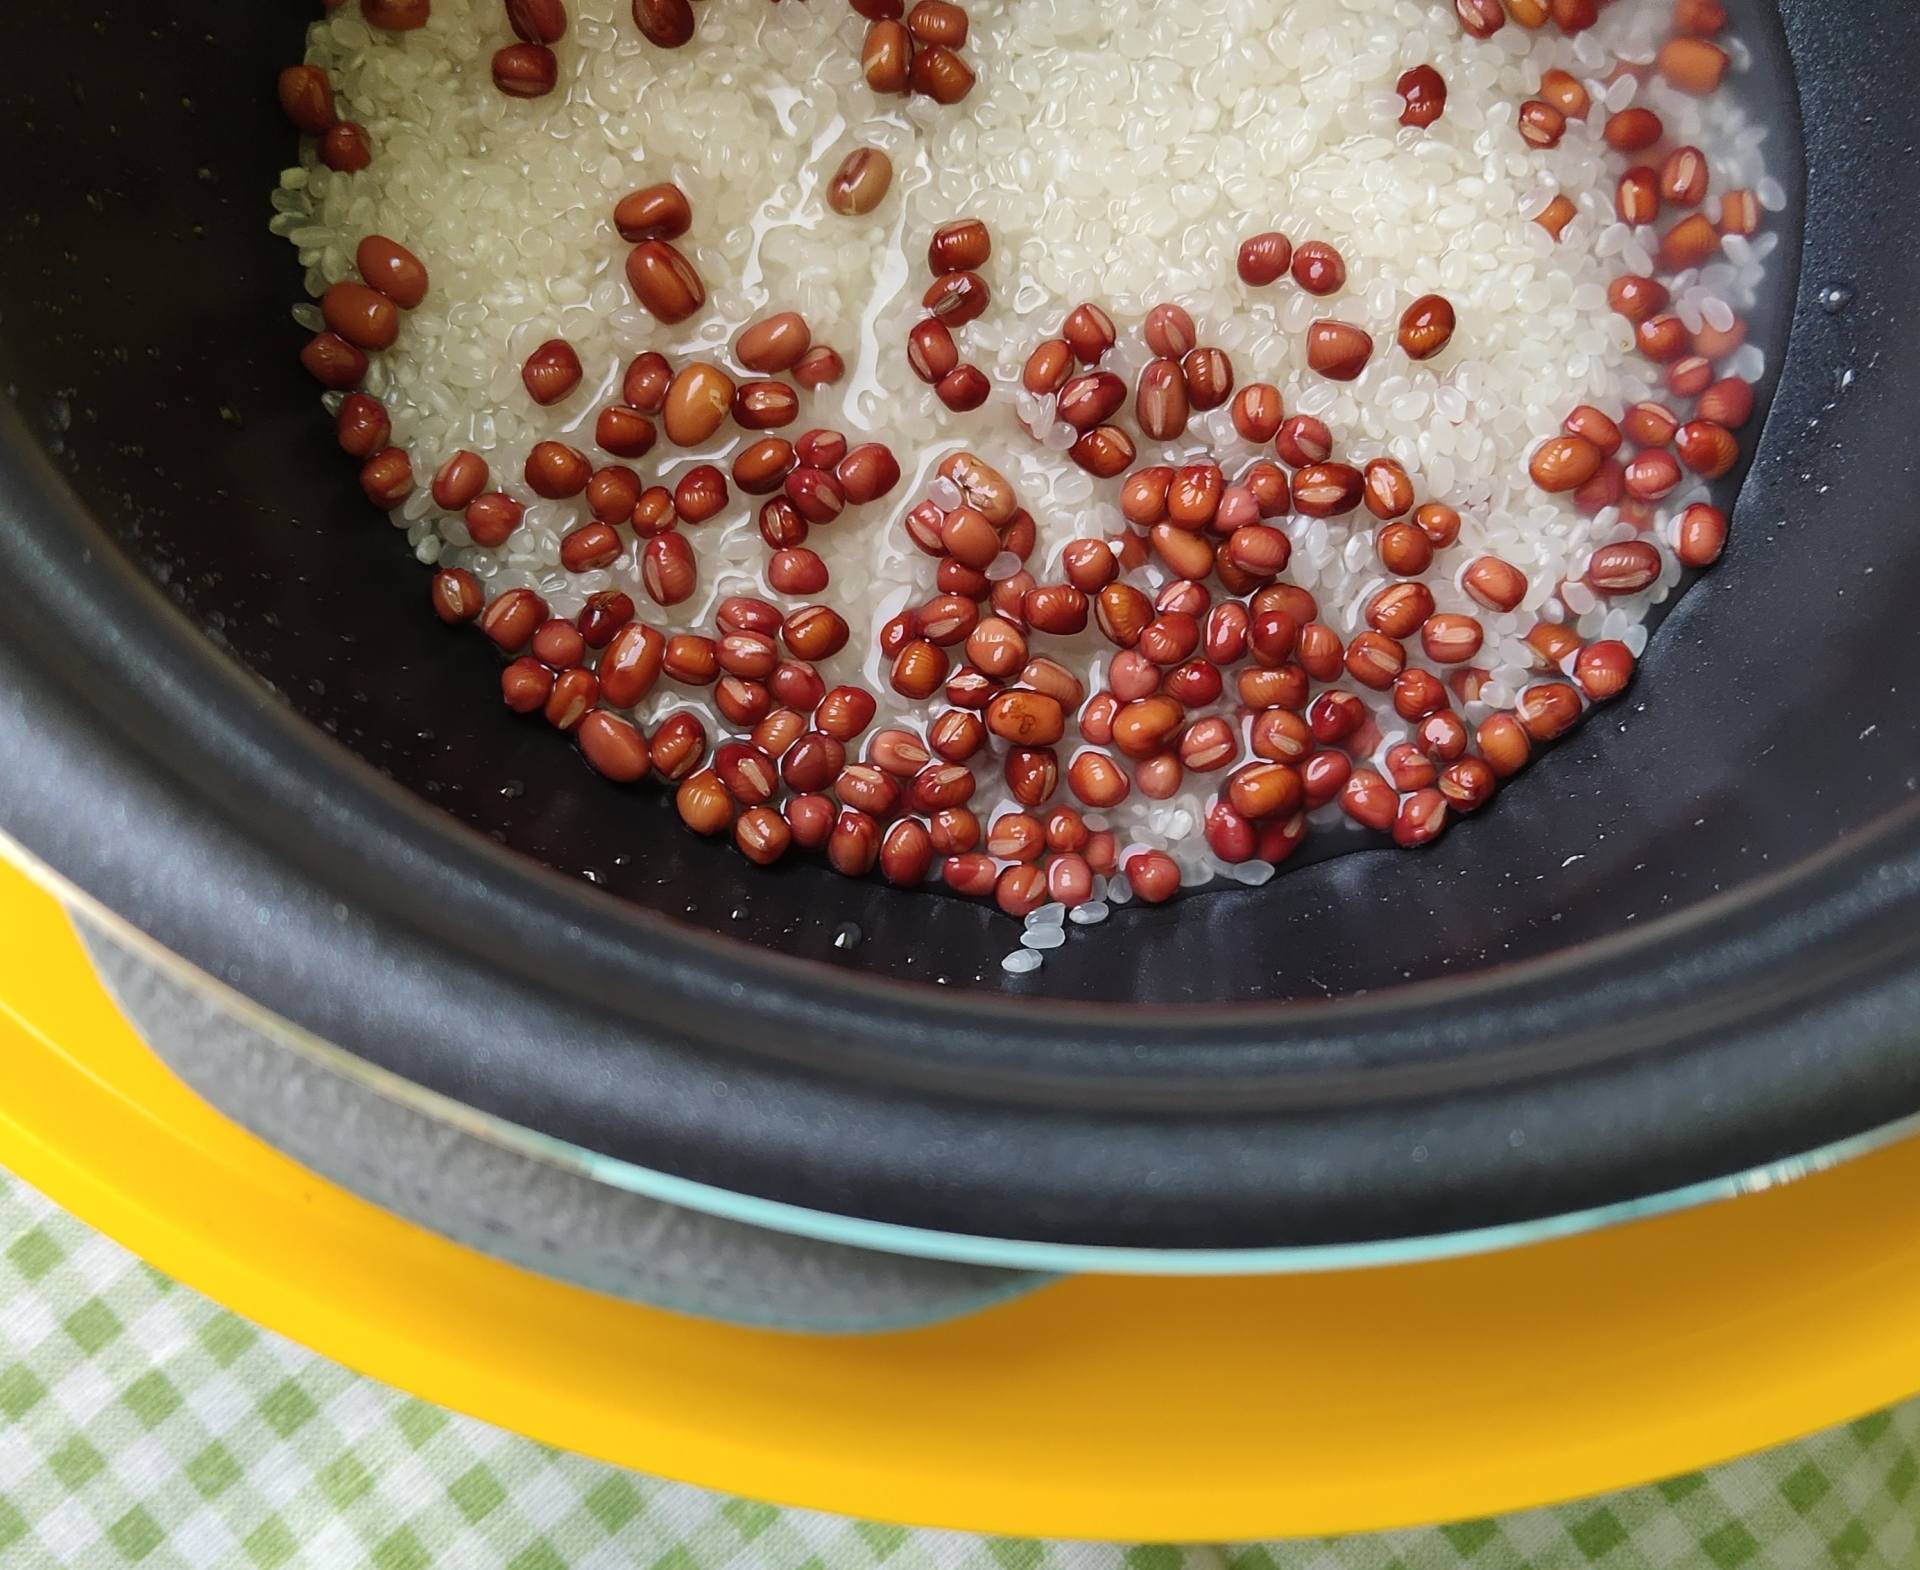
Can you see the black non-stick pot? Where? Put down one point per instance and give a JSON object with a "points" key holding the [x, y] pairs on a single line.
{"points": [[1686, 944]]}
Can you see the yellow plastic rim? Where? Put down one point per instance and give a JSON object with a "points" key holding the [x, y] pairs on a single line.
{"points": [[1102, 1407]]}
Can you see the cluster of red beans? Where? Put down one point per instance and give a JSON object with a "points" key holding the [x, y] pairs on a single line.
{"points": [[803, 766], [957, 295], [915, 51]]}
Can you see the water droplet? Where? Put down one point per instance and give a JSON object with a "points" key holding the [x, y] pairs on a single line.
{"points": [[1835, 298], [846, 938]]}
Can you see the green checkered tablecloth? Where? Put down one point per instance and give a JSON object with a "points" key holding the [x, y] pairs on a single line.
{"points": [[142, 1425]]}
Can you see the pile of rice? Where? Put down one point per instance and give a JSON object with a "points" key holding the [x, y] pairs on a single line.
{"points": [[1119, 152]]}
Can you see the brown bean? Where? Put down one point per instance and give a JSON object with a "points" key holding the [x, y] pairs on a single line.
{"points": [[492, 518], [931, 352], [1449, 639], [1637, 298], [614, 747], [456, 596], [1403, 550], [655, 212], [555, 471], [1047, 368], [1258, 412], [624, 431], [697, 404], [392, 269], [1548, 709], [387, 478], [1700, 535], [1651, 475], [1625, 567], [551, 372], [1603, 669], [997, 647], [1092, 399], [361, 427], [1339, 351], [575, 691], [1089, 332], [459, 480], [1105, 451], [1691, 64], [1304, 440], [957, 735], [1387, 491], [1318, 268], [1633, 130], [1226, 634], [1029, 719], [1496, 584], [1400, 609], [1169, 331], [1564, 463], [538, 21], [964, 388], [345, 148], [665, 23], [664, 281], [819, 367], [765, 405], [1160, 403], [1727, 402], [1264, 259], [1541, 124], [1154, 875], [1374, 659], [1209, 377], [886, 57], [1186, 554], [1019, 891], [1556, 215], [1059, 609], [525, 686], [1502, 740], [1423, 92], [511, 620], [1426, 326], [1097, 780], [1636, 198], [940, 74], [938, 22], [1565, 93], [700, 494], [691, 659], [398, 16], [957, 298], [961, 245], [1327, 490], [1367, 798], [589, 548], [1709, 450], [919, 668], [360, 314], [668, 571], [1143, 727], [525, 70], [679, 744], [762, 835], [861, 182], [760, 467], [867, 473], [306, 97]]}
